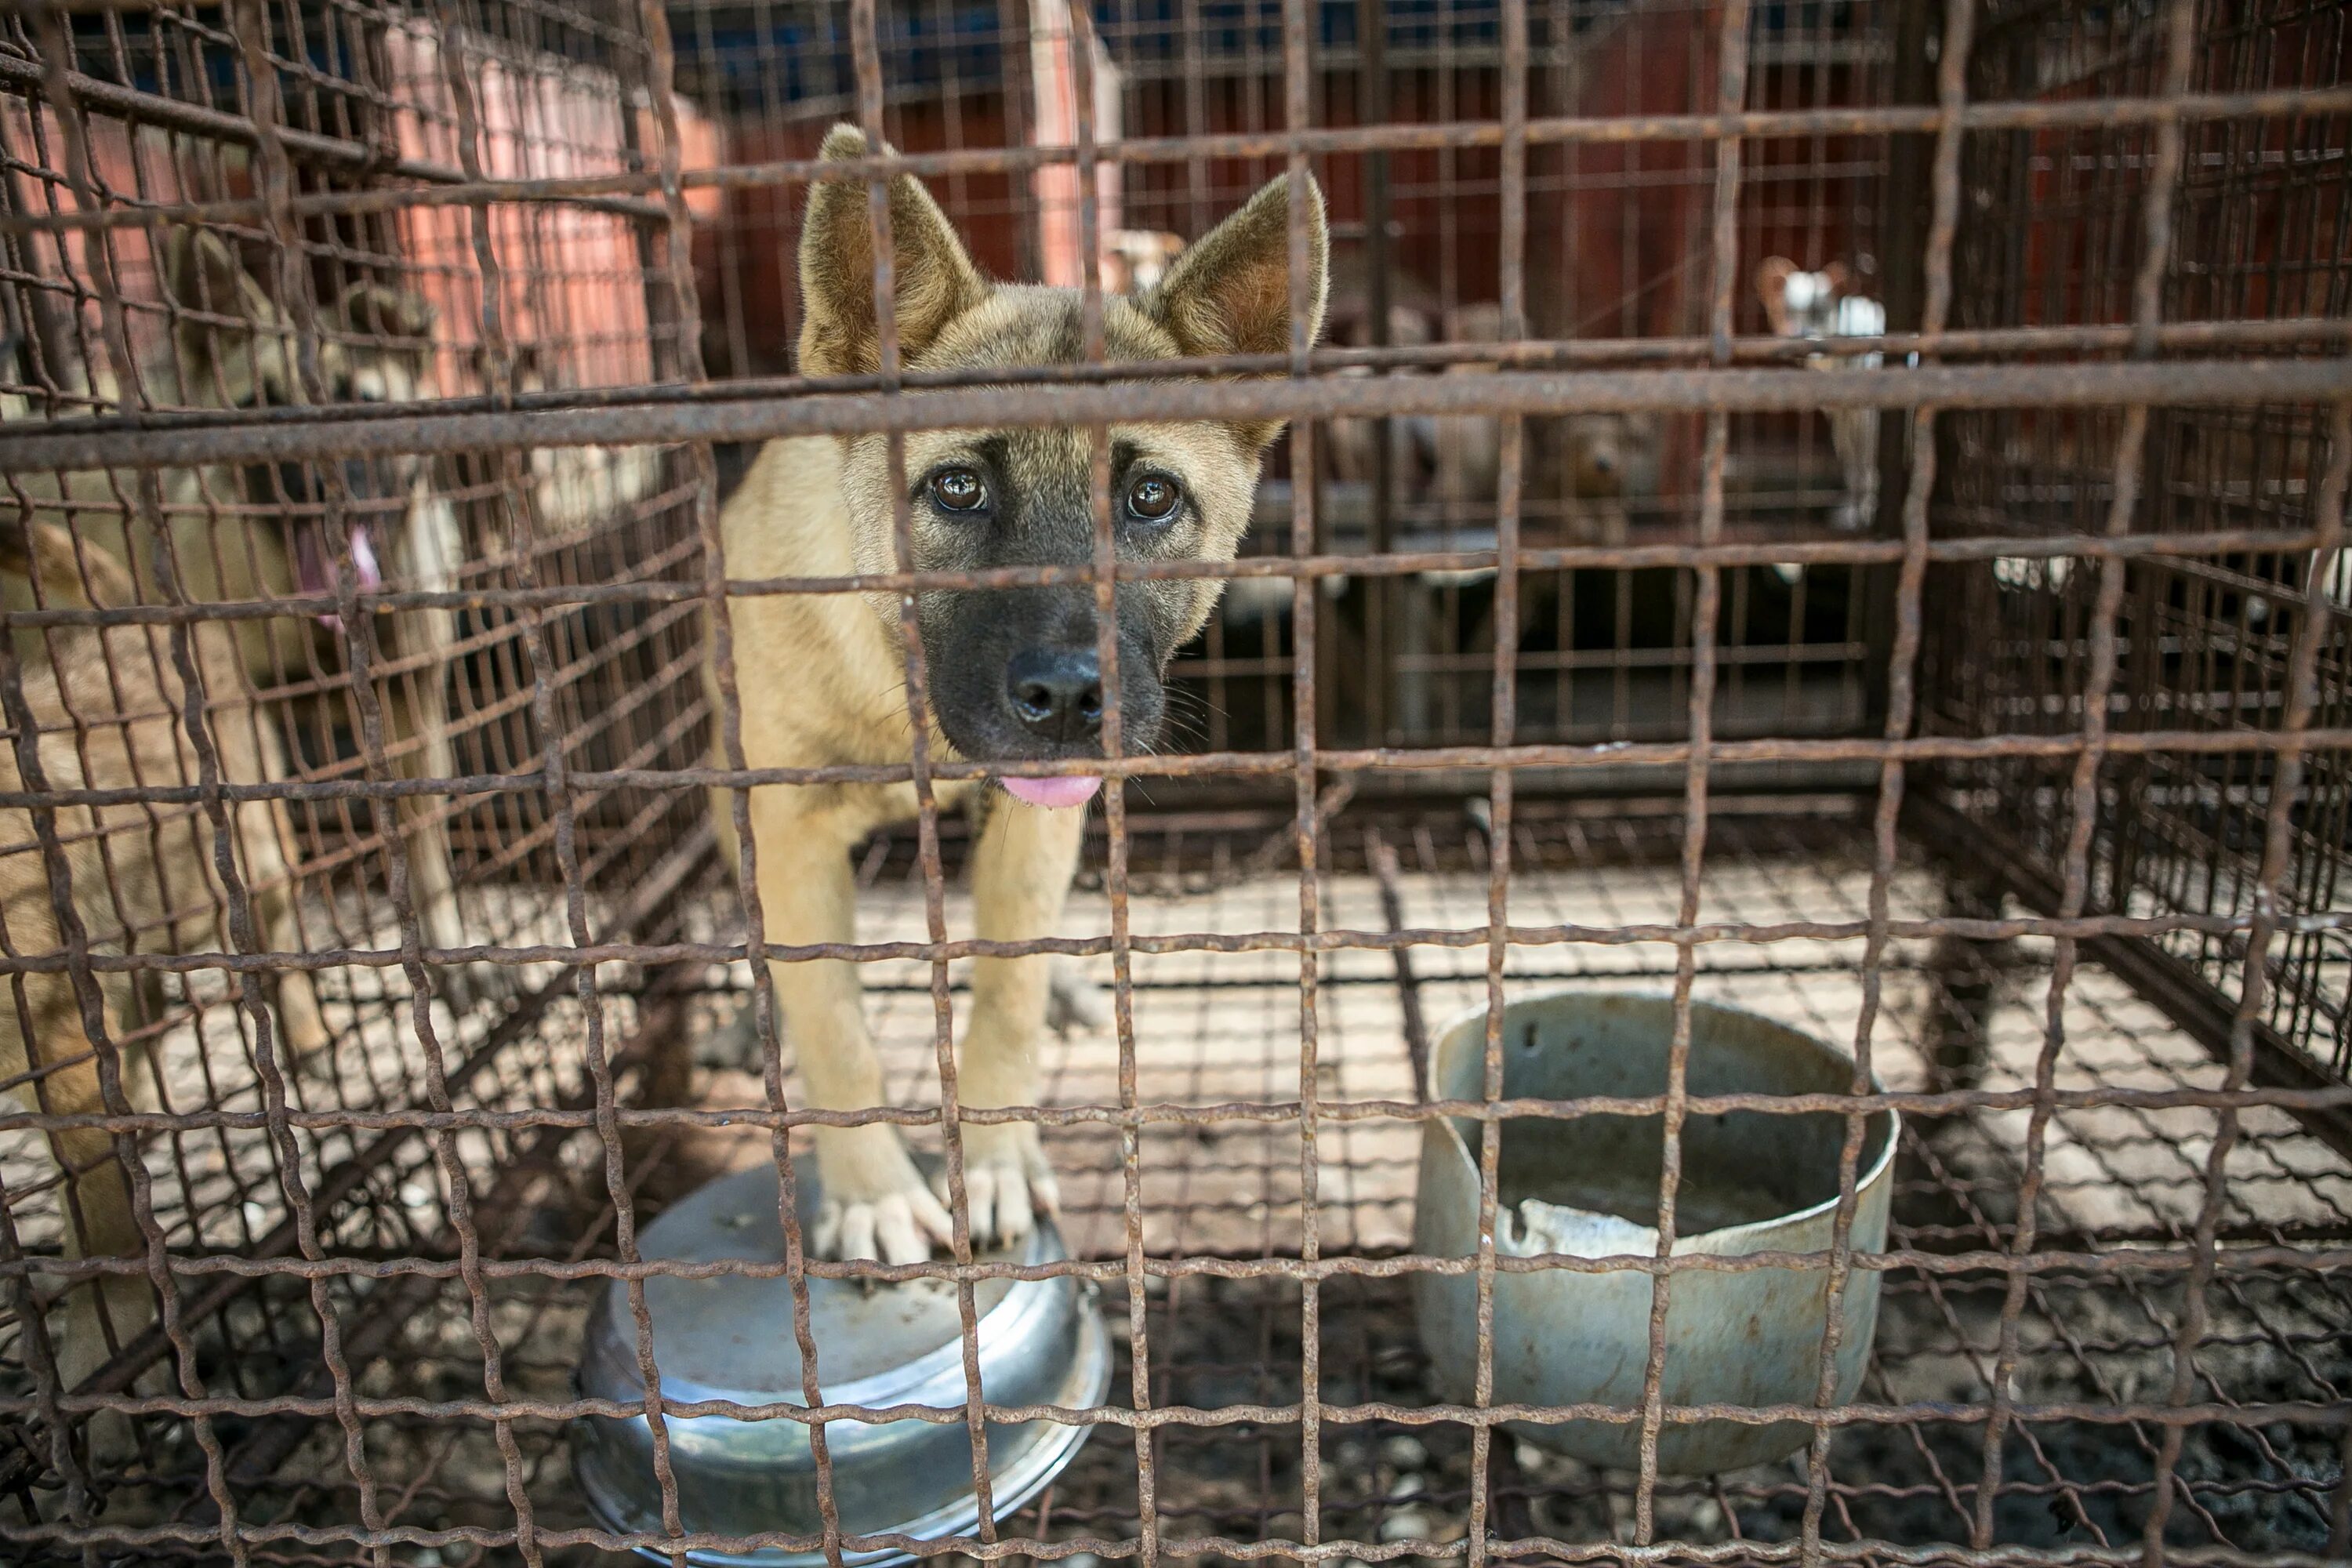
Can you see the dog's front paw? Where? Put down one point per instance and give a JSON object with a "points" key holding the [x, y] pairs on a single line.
{"points": [[876, 1203], [1006, 1180]]}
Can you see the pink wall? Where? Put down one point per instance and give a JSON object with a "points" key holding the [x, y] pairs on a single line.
{"points": [[572, 284]]}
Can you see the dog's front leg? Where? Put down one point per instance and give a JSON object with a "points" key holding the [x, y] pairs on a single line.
{"points": [[417, 710], [875, 1204], [1021, 874]]}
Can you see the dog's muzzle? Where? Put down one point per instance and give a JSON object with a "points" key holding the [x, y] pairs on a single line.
{"points": [[1056, 695]]}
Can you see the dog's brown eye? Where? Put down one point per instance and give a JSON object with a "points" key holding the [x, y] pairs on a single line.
{"points": [[959, 489], [1152, 498]]}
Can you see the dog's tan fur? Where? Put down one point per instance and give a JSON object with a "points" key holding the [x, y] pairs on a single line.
{"points": [[223, 540], [106, 707], [822, 678]]}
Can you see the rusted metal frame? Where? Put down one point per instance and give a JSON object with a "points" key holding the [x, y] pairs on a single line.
{"points": [[1901, 712], [1372, 109], [1307, 642], [729, 724], [1104, 577], [2190, 547], [2314, 628], [2179, 35], [458, 81], [260, 1261], [1454, 135], [1102, 574], [1530, 354], [1859, 1414], [2202, 383], [1904, 221], [1257, 1549], [1502, 700], [56, 44], [2252, 1255], [1731, 46], [1332, 940], [867, 55]]}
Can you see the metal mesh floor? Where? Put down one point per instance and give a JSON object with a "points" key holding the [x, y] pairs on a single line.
{"points": [[2093, 1334]]}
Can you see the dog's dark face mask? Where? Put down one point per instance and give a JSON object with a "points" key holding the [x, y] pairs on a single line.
{"points": [[1015, 674]]}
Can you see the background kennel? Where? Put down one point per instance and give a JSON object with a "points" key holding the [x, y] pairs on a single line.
{"points": [[2030, 789]]}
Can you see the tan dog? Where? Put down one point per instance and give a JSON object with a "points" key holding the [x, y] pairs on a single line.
{"points": [[1013, 673], [1608, 460], [107, 709], [257, 531]]}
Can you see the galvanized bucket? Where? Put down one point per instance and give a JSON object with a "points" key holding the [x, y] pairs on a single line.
{"points": [[1753, 1181]]}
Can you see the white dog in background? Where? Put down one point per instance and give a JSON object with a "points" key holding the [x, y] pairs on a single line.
{"points": [[1820, 306]]}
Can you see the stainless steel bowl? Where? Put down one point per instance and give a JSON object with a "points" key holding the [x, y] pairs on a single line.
{"points": [[1753, 1181], [1040, 1342]]}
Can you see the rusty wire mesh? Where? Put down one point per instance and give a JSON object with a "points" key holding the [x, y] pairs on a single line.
{"points": [[1570, 647]]}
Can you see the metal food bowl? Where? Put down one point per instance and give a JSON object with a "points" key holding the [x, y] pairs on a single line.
{"points": [[1752, 1181], [730, 1337]]}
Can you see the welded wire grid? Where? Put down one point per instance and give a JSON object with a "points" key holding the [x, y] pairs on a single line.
{"points": [[2088, 648]]}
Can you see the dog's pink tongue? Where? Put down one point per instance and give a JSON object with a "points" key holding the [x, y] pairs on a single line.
{"points": [[1068, 790]]}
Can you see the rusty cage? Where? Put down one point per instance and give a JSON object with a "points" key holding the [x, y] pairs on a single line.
{"points": [[1960, 677]]}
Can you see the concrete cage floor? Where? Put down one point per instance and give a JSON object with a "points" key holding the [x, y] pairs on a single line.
{"points": [[1214, 1029]]}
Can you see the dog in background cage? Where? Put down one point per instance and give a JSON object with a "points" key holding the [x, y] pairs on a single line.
{"points": [[1013, 674], [104, 711], [226, 532], [1819, 306]]}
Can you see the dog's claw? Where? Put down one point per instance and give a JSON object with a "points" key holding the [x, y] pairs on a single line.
{"points": [[1006, 1182], [877, 1206]]}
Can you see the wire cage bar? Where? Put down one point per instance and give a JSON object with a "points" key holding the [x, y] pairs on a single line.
{"points": [[1832, 509]]}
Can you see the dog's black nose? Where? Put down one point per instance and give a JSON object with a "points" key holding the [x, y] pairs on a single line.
{"points": [[1056, 693]]}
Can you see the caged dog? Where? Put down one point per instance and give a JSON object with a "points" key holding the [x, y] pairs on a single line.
{"points": [[107, 709], [1013, 673], [1818, 306], [260, 531]]}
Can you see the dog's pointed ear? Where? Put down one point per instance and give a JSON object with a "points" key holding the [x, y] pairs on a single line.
{"points": [[1773, 275], [934, 280], [243, 358], [1229, 293]]}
